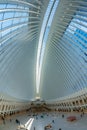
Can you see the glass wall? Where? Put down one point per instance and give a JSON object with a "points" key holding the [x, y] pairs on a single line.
{"points": [[12, 18], [76, 37]]}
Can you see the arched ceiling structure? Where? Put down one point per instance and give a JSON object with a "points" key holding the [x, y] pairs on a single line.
{"points": [[43, 48]]}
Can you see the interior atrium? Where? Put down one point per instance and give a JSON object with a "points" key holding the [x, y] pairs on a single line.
{"points": [[43, 64]]}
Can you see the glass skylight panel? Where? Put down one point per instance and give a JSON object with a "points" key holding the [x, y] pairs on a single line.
{"points": [[17, 14], [2, 6], [22, 20], [26, 8], [21, 7], [11, 6], [16, 21], [8, 15], [26, 19], [78, 27], [12, 20], [1, 16], [0, 25], [52, 13], [0, 37], [6, 24], [24, 14], [83, 17]]}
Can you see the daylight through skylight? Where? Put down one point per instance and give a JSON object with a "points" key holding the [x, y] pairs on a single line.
{"points": [[47, 21]]}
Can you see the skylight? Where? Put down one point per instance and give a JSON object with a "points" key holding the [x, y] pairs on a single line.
{"points": [[12, 19], [47, 21]]}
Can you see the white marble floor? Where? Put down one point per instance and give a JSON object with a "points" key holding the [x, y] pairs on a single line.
{"points": [[39, 122]]}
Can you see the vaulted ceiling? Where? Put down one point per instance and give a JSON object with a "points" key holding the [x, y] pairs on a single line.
{"points": [[43, 48]]}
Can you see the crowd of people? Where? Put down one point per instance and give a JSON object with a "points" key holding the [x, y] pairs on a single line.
{"points": [[38, 116]]}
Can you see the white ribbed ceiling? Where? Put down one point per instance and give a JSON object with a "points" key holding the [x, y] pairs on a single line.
{"points": [[57, 63]]}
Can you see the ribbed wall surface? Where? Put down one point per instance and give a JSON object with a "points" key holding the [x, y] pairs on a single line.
{"points": [[65, 62], [19, 28], [64, 65]]}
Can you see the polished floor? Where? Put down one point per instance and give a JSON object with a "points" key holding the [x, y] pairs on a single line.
{"points": [[38, 122]]}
